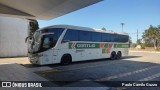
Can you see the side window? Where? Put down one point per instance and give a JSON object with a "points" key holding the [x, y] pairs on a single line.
{"points": [[84, 36], [106, 37], [71, 35], [59, 33], [119, 38], [96, 37], [114, 38], [110, 38], [67, 36], [74, 35], [123, 38], [127, 38]]}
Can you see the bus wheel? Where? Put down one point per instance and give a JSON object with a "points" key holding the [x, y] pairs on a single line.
{"points": [[66, 59], [113, 55], [119, 55]]}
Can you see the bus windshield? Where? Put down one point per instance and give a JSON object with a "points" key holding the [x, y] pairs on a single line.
{"points": [[46, 39]]}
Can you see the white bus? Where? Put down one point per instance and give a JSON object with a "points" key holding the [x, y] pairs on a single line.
{"points": [[65, 44]]}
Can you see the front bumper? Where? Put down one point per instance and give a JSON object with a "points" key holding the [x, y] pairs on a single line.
{"points": [[33, 58]]}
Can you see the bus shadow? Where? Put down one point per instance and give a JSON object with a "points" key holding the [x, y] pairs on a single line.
{"points": [[128, 57], [34, 65], [58, 64], [30, 65], [101, 60], [78, 62]]}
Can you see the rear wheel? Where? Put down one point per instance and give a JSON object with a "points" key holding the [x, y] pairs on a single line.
{"points": [[113, 55], [119, 55], [66, 59]]}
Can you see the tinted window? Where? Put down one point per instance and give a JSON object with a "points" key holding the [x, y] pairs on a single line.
{"points": [[106, 37], [84, 36], [114, 38], [71, 35], [48, 42], [120, 38], [77, 35], [96, 37], [123, 38]]}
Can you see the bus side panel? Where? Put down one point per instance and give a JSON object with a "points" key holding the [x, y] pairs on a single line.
{"points": [[46, 57], [88, 53], [64, 49], [81, 54]]}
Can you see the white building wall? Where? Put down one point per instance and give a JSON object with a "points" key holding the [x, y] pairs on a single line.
{"points": [[13, 32]]}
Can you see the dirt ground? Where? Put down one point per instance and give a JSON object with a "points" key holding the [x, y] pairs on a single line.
{"points": [[146, 49]]}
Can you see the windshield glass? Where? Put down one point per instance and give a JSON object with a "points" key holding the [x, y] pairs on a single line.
{"points": [[49, 38], [48, 42]]}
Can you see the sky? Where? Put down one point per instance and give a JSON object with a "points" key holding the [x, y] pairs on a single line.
{"points": [[136, 14]]}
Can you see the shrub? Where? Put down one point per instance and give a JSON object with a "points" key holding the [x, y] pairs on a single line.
{"points": [[143, 46], [134, 45]]}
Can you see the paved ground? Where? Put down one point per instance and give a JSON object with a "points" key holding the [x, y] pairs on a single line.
{"points": [[19, 60], [138, 66]]}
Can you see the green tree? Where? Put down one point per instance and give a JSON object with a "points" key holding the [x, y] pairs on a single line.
{"points": [[134, 45], [33, 25], [152, 36], [104, 29], [139, 42]]}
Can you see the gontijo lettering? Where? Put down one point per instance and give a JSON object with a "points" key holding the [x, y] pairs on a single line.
{"points": [[86, 45], [83, 45]]}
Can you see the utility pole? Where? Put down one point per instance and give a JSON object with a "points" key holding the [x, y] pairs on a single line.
{"points": [[137, 34], [122, 26]]}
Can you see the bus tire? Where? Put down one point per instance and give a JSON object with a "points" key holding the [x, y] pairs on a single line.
{"points": [[119, 55], [113, 55], [66, 59]]}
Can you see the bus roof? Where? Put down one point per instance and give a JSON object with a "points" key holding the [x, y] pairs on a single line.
{"points": [[81, 28]]}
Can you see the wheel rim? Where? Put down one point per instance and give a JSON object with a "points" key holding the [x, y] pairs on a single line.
{"points": [[113, 55], [118, 55], [65, 60]]}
